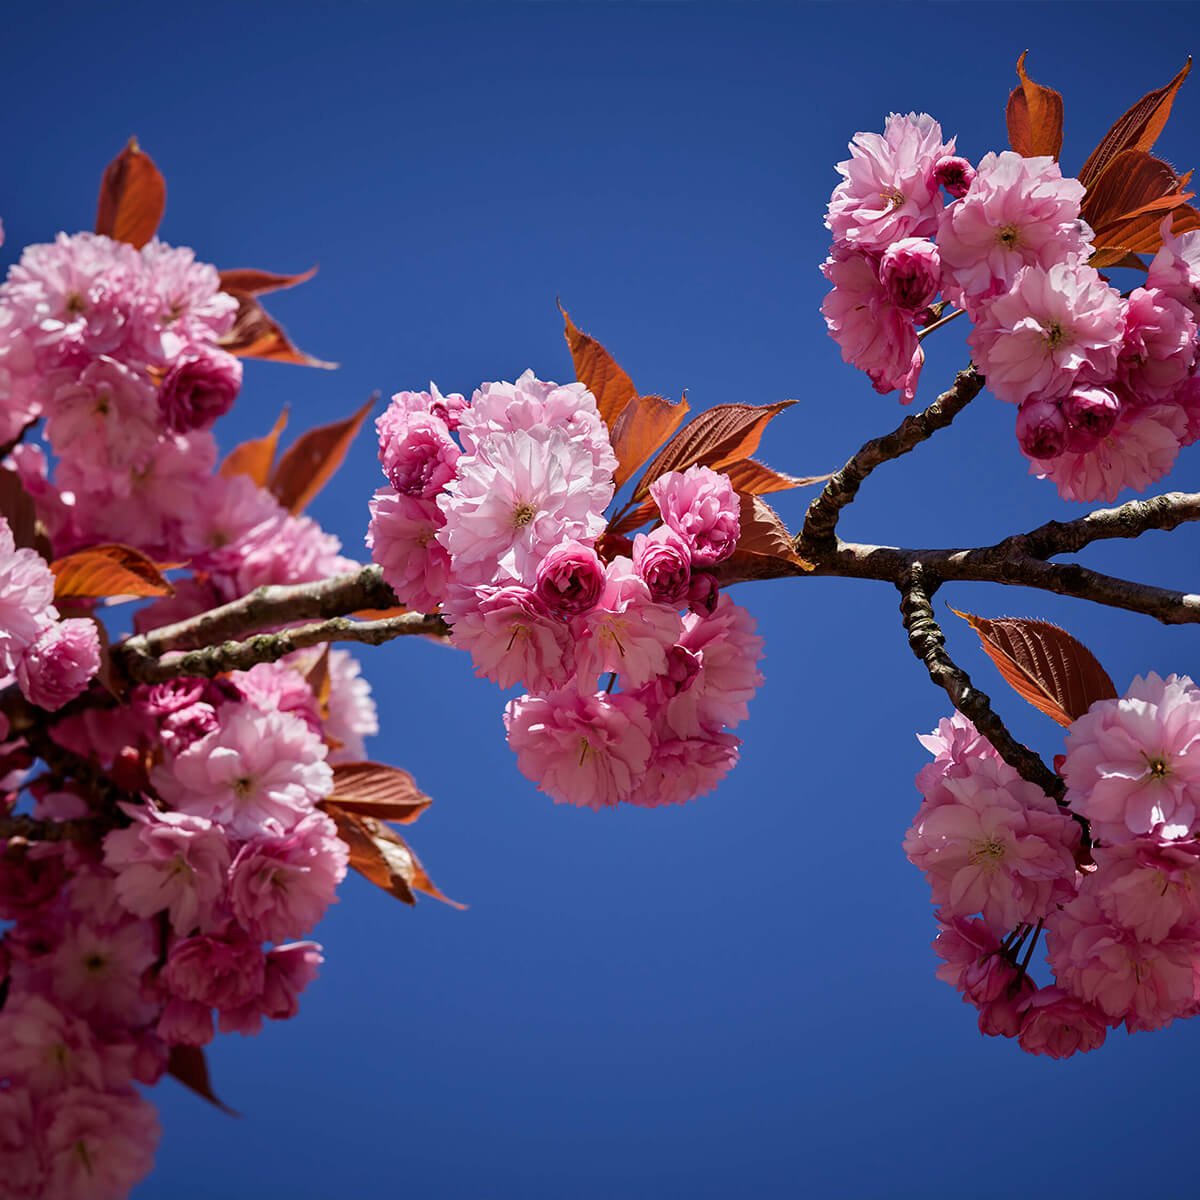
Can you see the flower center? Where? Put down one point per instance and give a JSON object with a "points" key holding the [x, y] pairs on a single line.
{"points": [[523, 514], [1009, 236], [894, 199], [990, 850], [94, 962], [585, 748], [242, 787], [1055, 335], [1158, 768], [75, 304]]}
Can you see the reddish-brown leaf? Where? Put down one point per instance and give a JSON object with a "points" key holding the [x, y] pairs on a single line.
{"points": [[644, 424], [376, 790], [1043, 664], [189, 1065], [382, 856], [1135, 129], [763, 531], [598, 371], [320, 683], [1141, 235], [113, 570], [255, 458], [752, 478], [256, 334], [716, 438], [18, 509], [379, 614], [258, 283], [133, 197], [1136, 182], [637, 516], [1035, 117], [312, 459]]}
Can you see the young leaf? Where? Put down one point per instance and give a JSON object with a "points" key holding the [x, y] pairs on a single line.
{"points": [[1035, 117], [636, 517], [644, 424], [312, 459], [598, 371], [258, 283], [133, 197], [763, 531], [1136, 129], [1043, 664], [112, 570], [189, 1065], [375, 790], [256, 334], [752, 478], [716, 438], [255, 458]]}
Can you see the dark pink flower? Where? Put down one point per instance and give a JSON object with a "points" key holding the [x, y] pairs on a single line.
{"points": [[199, 387], [911, 273], [1057, 1024], [570, 579], [663, 559]]}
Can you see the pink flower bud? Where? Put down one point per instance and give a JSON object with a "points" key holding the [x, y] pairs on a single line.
{"points": [[58, 665], [1041, 429], [199, 388], [420, 456], [954, 174], [682, 668], [570, 579], [1092, 411], [911, 273], [703, 594], [447, 408], [663, 561]]}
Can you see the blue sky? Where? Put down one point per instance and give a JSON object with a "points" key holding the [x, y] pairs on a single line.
{"points": [[735, 996]]}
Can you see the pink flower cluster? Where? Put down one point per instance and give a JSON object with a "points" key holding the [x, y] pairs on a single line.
{"points": [[1104, 383], [493, 512], [1122, 930]]}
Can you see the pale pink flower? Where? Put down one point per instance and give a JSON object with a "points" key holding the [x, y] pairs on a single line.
{"points": [[995, 845], [1133, 764], [276, 687], [282, 549], [910, 271], [1057, 1024], [402, 539], [218, 972], [97, 969], [518, 496], [1159, 345], [97, 1145], [290, 969], [233, 507], [448, 409], [1042, 428], [418, 454], [198, 388], [889, 190], [512, 638], [1055, 327], [1148, 887], [681, 769], [570, 579], [50, 1049], [1140, 448], [352, 716], [1018, 212], [626, 632], [663, 559], [586, 750], [1176, 267], [700, 505], [253, 768], [956, 746], [1144, 984], [281, 884], [187, 298], [26, 599], [58, 665], [168, 861]]}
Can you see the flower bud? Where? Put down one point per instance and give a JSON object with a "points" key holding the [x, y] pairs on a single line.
{"points": [[1041, 428], [703, 594], [199, 388], [1092, 411], [570, 579], [911, 273], [954, 174], [663, 560]]}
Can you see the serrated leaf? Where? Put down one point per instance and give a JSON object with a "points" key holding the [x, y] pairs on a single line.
{"points": [[1043, 664], [375, 790], [256, 334], [644, 424], [763, 531], [1034, 116], [258, 283], [312, 459], [133, 197], [637, 516], [719, 436], [111, 570], [598, 371], [255, 458], [1135, 129], [189, 1065], [752, 478]]}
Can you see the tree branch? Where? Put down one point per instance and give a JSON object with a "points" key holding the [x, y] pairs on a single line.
{"points": [[819, 535]]}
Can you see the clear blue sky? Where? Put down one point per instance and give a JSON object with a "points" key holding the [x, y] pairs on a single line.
{"points": [[736, 997]]}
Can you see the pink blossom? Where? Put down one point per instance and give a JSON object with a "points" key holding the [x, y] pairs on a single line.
{"points": [[995, 845], [1187, 397], [627, 632], [97, 969], [889, 190], [700, 505], [168, 861], [21, 1165], [1018, 212], [97, 1145], [1140, 448], [518, 496], [290, 969], [218, 972], [199, 387], [1054, 327], [910, 271], [1148, 887], [1175, 269], [873, 335], [31, 874], [187, 298], [962, 943], [416, 450], [955, 174], [276, 687], [1042, 428], [1057, 1024], [26, 599], [60, 663], [586, 750], [185, 1023], [957, 746], [663, 560], [402, 538], [703, 593], [255, 767], [1091, 414], [281, 884], [1002, 1016], [352, 715], [1144, 984], [1133, 764], [681, 769], [570, 579], [512, 638], [50, 1049]]}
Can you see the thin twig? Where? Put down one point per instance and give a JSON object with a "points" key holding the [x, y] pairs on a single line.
{"points": [[924, 333]]}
